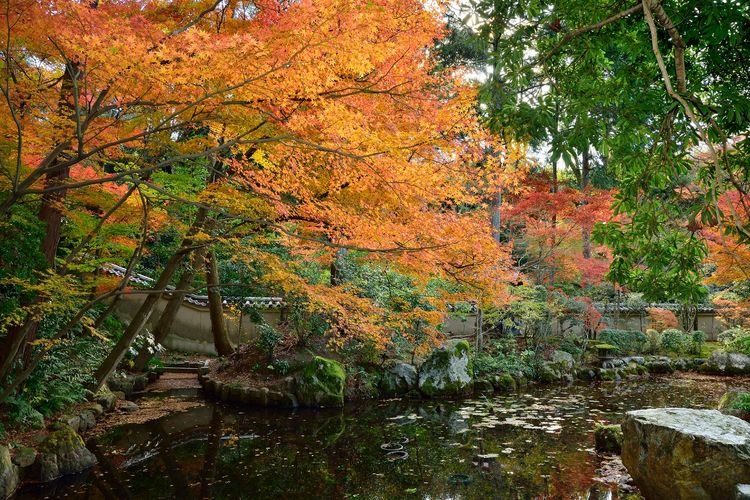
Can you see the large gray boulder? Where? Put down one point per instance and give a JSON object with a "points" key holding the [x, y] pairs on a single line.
{"points": [[563, 359], [61, 453], [680, 453], [728, 363], [448, 371], [8, 474], [398, 379]]}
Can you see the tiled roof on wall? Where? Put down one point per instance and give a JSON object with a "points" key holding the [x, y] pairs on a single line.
{"points": [[609, 307], [198, 300]]}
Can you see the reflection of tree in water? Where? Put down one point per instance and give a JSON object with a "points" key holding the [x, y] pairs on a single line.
{"points": [[215, 433], [221, 452], [106, 476]]}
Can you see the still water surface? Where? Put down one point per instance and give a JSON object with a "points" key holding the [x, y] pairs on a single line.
{"points": [[533, 444]]}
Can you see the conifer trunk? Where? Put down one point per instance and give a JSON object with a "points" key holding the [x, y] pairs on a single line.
{"points": [[218, 326]]}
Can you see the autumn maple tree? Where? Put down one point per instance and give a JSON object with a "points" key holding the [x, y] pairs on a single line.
{"points": [[323, 124]]}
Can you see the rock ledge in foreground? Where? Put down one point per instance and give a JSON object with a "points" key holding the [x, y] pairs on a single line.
{"points": [[681, 453]]}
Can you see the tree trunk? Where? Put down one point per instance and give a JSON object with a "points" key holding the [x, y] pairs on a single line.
{"points": [[586, 231], [144, 312], [497, 202], [218, 326], [164, 326], [336, 266]]}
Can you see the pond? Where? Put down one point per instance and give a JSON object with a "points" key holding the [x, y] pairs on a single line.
{"points": [[536, 443]]}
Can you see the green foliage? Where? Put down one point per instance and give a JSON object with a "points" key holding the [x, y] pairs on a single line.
{"points": [[742, 344], [268, 339], [698, 338], [281, 366], [502, 356], [549, 81], [19, 244], [61, 379], [676, 341], [304, 323], [741, 402], [653, 342], [20, 412], [572, 343], [530, 312], [626, 341], [736, 339], [727, 336]]}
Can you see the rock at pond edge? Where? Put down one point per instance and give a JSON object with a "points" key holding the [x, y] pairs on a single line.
{"points": [[681, 453], [398, 379], [61, 453], [608, 438], [321, 383], [448, 371], [8, 474]]}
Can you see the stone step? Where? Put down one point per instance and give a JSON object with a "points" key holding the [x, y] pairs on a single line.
{"points": [[180, 369]]}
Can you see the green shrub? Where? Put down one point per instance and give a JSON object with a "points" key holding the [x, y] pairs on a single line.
{"points": [[727, 336], [741, 344], [281, 367], [493, 362], [676, 341], [698, 339], [653, 341], [736, 339], [573, 344], [268, 339], [626, 341]]}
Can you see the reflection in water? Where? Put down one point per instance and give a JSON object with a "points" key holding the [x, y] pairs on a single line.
{"points": [[536, 444]]}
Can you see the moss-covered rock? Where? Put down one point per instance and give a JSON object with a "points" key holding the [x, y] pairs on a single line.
{"points": [[448, 371], [106, 398], [564, 359], [24, 456], [727, 363], [62, 452], [8, 474], [86, 421], [483, 386], [96, 409], [128, 384], [321, 383], [608, 438], [255, 396], [548, 373], [504, 382], [660, 365], [398, 379]]}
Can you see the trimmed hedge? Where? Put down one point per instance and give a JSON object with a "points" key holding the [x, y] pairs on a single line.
{"points": [[626, 341]]}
